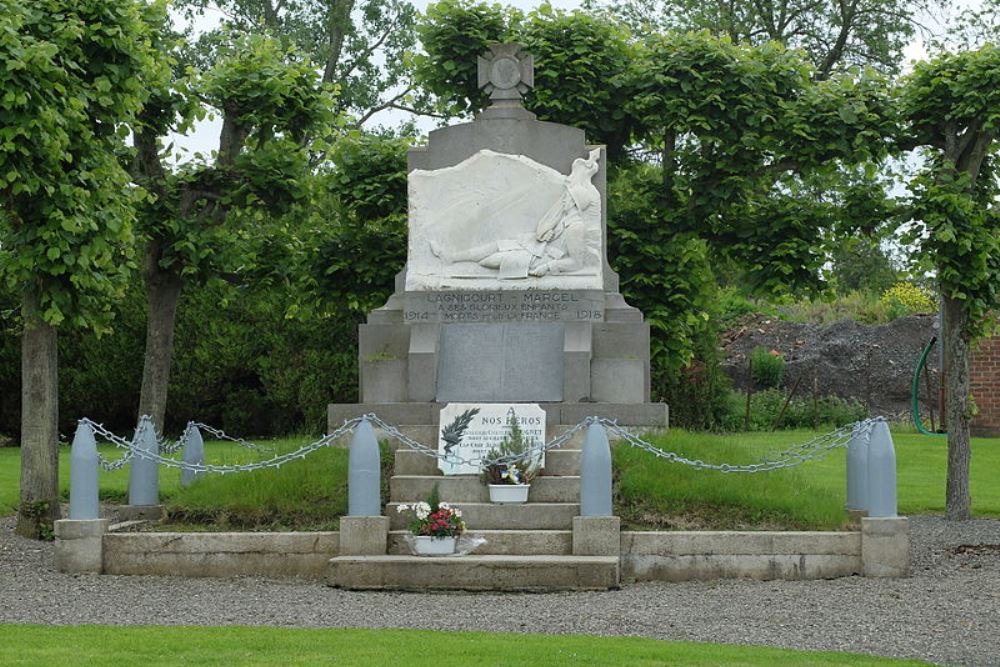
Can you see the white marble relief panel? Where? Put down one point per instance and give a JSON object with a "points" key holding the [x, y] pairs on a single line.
{"points": [[501, 221]]}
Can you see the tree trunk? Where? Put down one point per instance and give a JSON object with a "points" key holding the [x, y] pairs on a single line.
{"points": [[39, 423], [955, 340], [163, 290]]}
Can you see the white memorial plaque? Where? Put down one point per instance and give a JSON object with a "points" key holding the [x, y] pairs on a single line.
{"points": [[471, 430]]}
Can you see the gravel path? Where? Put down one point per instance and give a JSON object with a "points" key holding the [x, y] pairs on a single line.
{"points": [[947, 612]]}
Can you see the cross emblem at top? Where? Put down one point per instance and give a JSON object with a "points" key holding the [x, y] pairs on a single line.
{"points": [[506, 72]]}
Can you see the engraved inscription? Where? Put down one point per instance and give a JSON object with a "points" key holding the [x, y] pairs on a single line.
{"points": [[504, 306]]}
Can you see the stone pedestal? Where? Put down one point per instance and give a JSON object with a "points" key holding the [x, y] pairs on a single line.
{"points": [[140, 512], [885, 546], [80, 545], [597, 536], [364, 535]]}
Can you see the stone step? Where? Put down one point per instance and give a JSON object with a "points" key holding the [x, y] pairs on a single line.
{"points": [[560, 462], [487, 516], [469, 488], [475, 573], [504, 542]]}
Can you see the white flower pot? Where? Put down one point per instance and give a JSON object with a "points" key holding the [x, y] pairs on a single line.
{"points": [[509, 494], [424, 545]]}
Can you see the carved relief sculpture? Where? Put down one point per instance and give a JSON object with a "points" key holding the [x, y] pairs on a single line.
{"points": [[499, 221]]}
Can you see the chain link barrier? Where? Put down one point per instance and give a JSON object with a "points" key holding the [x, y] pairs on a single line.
{"points": [[274, 462], [219, 434], [811, 450]]}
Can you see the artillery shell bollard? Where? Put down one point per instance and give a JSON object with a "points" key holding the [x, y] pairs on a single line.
{"points": [[80, 539], [596, 532], [83, 482], [364, 532], [194, 454], [144, 477], [881, 472], [885, 537], [857, 473]]}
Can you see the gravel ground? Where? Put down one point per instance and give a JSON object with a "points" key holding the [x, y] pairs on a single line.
{"points": [[948, 612]]}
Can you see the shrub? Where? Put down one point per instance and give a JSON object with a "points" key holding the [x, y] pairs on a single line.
{"points": [[765, 406], [907, 299], [768, 367]]}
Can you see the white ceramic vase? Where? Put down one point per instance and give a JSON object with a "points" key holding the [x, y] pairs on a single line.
{"points": [[509, 494]]}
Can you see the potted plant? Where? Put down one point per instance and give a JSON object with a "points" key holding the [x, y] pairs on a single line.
{"points": [[511, 467], [435, 526]]}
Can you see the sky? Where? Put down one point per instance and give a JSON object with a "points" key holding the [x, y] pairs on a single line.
{"points": [[205, 135]]}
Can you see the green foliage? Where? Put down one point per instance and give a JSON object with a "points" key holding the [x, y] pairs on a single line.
{"points": [[454, 33], [353, 261], [802, 412], [239, 364], [908, 299], [74, 73], [953, 104], [768, 367], [579, 61], [835, 35], [663, 272], [39, 514], [362, 46], [859, 262]]}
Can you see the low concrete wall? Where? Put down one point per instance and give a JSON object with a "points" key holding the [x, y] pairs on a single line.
{"points": [[220, 554], [687, 556], [645, 556]]}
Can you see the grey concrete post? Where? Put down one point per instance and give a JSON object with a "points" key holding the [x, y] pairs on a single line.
{"points": [[857, 470], [144, 476], [194, 453], [83, 483], [881, 472], [364, 482], [595, 473]]}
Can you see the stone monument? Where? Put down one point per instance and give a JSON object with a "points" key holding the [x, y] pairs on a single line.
{"points": [[507, 295]]}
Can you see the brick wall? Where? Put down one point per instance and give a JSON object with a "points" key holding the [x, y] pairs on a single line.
{"points": [[985, 379]]}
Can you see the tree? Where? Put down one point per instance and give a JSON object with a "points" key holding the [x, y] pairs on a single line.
{"points": [[837, 34], [953, 105], [269, 100], [74, 73], [362, 46]]}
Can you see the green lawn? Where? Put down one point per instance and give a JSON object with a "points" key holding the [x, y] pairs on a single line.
{"points": [[55, 646], [811, 496], [651, 493]]}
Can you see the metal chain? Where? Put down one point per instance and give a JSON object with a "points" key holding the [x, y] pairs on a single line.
{"points": [[275, 462], [219, 434], [809, 451]]}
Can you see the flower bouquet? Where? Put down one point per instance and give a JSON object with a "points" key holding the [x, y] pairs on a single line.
{"points": [[435, 527], [511, 467]]}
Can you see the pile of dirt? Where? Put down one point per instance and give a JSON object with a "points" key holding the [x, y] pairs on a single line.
{"points": [[871, 364]]}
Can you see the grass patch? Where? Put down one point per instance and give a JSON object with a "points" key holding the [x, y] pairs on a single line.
{"points": [[654, 494], [309, 494], [27, 645]]}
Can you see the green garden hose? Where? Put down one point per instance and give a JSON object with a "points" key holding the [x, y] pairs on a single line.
{"points": [[915, 390]]}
